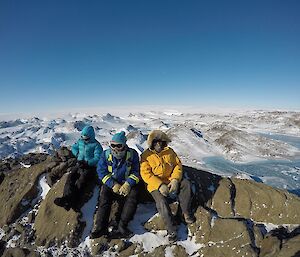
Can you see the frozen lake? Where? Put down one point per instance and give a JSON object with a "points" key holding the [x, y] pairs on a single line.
{"points": [[281, 174]]}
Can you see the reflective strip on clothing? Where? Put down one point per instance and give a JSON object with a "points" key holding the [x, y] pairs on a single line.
{"points": [[107, 177], [134, 177]]}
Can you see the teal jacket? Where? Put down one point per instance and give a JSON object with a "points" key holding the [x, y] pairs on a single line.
{"points": [[88, 151]]}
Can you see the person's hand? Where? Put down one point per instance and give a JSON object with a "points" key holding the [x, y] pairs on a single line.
{"points": [[116, 188], [173, 186], [125, 189], [164, 190]]}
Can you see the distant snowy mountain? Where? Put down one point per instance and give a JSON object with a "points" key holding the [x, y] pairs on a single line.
{"points": [[238, 137]]}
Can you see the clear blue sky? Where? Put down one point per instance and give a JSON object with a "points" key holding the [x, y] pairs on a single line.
{"points": [[60, 54]]}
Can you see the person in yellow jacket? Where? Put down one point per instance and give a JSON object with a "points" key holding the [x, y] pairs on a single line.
{"points": [[161, 170]]}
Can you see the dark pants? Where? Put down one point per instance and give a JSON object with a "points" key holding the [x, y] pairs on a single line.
{"points": [[127, 207], [184, 197], [77, 180]]}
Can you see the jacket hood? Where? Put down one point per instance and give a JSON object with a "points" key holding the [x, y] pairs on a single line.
{"points": [[88, 131], [157, 134]]}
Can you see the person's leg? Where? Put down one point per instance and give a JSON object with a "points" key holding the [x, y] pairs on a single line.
{"points": [[128, 210], [66, 200], [164, 210], [185, 197], [103, 211]]}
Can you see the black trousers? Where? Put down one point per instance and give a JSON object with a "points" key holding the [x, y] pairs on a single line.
{"points": [[77, 180], [127, 207], [184, 197]]}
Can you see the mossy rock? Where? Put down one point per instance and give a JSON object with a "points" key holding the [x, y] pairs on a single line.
{"points": [[18, 190], [222, 201], [265, 204], [53, 224]]}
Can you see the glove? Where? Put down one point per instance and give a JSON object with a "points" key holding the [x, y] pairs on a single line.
{"points": [[164, 190], [125, 189], [173, 186], [116, 188]]}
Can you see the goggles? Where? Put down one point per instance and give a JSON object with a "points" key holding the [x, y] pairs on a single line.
{"points": [[116, 146], [85, 138], [158, 141]]}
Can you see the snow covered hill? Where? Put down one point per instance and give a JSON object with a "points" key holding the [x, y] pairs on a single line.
{"points": [[239, 137]]}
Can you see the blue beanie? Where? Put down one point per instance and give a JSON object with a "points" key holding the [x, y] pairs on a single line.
{"points": [[119, 138]]}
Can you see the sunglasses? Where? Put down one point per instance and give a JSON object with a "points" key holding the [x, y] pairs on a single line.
{"points": [[156, 141], [116, 145], [85, 138]]}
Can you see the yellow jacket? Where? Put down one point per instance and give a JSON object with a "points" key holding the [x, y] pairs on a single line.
{"points": [[158, 168]]}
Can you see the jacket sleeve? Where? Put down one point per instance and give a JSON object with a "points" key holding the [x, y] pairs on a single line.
{"points": [[97, 153], [177, 171], [104, 175], [134, 176], [75, 149], [147, 174]]}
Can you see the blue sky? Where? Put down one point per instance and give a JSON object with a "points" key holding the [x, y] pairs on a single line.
{"points": [[60, 54]]}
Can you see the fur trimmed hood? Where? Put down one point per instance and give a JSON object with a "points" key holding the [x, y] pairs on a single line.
{"points": [[157, 134]]}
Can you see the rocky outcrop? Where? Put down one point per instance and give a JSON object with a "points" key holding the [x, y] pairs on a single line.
{"points": [[54, 224], [256, 201], [229, 212], [18, 190]]}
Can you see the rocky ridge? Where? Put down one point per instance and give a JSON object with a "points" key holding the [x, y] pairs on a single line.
{"points": [[235, 217]]}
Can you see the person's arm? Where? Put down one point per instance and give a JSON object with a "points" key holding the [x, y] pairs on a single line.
{"points": [[177, 171], [134, 176], [97, 154], [104, 175], [147, 174], [75, 149]]}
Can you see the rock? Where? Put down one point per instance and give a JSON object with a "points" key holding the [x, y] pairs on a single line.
{"points": [[20, 252], [17, 191], [19, 228], [179, 251], [265, 204], [222, 200], [130, 250], [270, 246], [158, 251], [54, 224], [221, 237], [2, 247], [204, 185], [256, 201], [79, 125], [290, 247], [99, 245]]}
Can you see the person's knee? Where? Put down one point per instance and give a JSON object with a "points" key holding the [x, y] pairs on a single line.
{"points": [[185, 184]]}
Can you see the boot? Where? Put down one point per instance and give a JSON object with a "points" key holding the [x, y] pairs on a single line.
{"points": [[123, 230], [99, 233], [172, 236]]}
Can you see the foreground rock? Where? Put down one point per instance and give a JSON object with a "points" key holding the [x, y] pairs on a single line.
{"points": [[230, 214], [256, 201], [18, 191], [54, 225]]}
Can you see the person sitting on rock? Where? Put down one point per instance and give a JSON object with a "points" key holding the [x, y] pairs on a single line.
{"points": [[119, 172], [161, 169], [87, 150]]}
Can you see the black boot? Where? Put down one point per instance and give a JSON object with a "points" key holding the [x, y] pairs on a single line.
{"points": [[63, 202], [98, 233], [123, 230]]}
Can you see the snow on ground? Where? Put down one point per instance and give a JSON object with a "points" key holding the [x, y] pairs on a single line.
{"points": [[44, 186]]}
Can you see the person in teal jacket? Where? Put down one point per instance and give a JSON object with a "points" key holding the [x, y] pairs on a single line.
{"points": [[119, 171], [87, 150]]}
